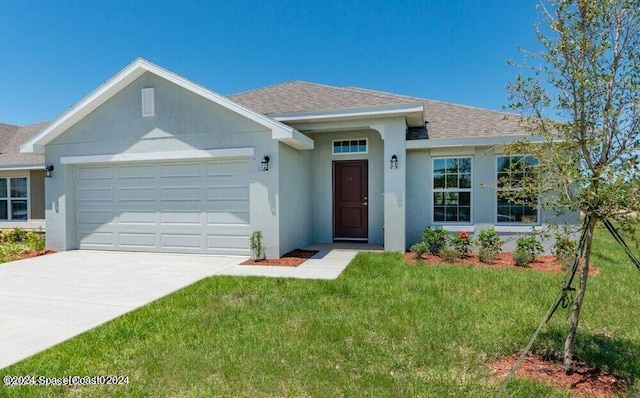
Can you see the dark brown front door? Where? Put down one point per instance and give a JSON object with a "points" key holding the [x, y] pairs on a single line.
{"points": [[350, 200]]}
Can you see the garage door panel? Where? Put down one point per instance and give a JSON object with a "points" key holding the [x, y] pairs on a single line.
{"points": [[189, 207], [228, 217], [180, 193], [137, 194], [182, 218], [137, 217], [96, 238], [97, 194]]}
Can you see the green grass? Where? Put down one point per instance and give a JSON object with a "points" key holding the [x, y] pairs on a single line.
{"points": [[384, 328]]}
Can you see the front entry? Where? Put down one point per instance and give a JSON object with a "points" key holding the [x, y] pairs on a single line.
{"points": [[350, 200]]}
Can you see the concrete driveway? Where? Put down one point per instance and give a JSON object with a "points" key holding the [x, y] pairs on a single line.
{"points": [[49, 299]]}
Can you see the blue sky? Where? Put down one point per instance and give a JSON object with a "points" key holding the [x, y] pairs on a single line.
{"points": [[53, 53]]}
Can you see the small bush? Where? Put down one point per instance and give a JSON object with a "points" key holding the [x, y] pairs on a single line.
{"points": [[420, 249], [564, 250], [256, 246], [435, 239], [36, 240], [13, 251], [487, 255], [449, 255], [15, 235], [461, 243], [489, 239], [521, 257], [530, 246]]}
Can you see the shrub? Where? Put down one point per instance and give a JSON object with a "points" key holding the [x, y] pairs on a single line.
{"points": [[489, 239], [461, 243], [530, 246], [36, 240], [487, 255], [564, 250], [14, 250], [14, 235], [256, 246], [435, 239], [448, 254], [420, 249], [521, 257]]}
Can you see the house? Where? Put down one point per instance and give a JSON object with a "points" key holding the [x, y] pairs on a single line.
{"points": [[21, 180], [151, 161]]}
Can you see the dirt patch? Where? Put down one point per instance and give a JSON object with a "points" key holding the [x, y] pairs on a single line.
{"points": [[546, 263], [291, 259], [586, 381]]}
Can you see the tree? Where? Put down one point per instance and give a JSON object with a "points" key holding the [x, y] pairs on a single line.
{"points": [[581, 95]]}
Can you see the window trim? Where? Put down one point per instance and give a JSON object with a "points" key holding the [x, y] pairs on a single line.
{"points": [[507, 223], [470, 190], [366, 144], [9, 199]]}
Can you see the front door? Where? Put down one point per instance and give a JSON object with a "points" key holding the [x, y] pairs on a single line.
{"points": [[350, 200]]}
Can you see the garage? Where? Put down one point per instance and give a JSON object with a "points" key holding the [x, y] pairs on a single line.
{"points": [[179, 207]]}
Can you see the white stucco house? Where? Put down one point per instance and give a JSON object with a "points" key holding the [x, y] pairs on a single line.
{"points": [[151, 161]]}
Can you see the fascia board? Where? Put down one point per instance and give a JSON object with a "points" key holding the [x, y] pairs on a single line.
{"points": [[473, 141], [351, 113]]}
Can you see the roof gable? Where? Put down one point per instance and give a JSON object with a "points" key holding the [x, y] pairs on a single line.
{"points": [[129, 74]]}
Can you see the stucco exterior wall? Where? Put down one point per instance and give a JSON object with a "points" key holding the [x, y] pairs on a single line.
{"points": [[294, 198], [322, 160], [484, 194], [183, 121]]}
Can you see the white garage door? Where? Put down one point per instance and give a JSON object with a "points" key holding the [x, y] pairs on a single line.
{"points": [[182, 207]]}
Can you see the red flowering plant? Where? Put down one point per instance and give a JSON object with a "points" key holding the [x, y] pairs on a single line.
{"points": [[462, 243]]}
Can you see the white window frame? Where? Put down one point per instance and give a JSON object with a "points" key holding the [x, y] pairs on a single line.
{"points": [[508, 223], [9, 199], [434, 190], [366, 144]]}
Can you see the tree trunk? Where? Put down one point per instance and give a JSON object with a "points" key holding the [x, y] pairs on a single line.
{"points": [[577, 305]]}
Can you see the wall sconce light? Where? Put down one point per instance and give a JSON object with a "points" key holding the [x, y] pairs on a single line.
{"points": [[47, 170], [264, 163], [394, 162]]}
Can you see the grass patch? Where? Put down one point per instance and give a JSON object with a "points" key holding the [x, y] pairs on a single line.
{"points": [[384, 328]]}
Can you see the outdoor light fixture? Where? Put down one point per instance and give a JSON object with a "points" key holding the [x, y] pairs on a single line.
{"points": [[47, 170], [394, 162], [265, 163]]}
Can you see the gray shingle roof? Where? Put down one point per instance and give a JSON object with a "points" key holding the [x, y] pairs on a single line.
{"points": [[11, 138], [445, 120]]}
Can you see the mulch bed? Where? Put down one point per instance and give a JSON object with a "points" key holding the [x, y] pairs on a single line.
{"points": [[291, 259], [546, 263], [35, 253], [586, 381]]}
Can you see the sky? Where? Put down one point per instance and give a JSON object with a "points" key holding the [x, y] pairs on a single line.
{"points": [[54, 53]]}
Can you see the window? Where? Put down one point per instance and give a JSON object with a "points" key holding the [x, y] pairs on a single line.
{"points": [[13, 199], [350, 146], [452, 190], [511, 171]]}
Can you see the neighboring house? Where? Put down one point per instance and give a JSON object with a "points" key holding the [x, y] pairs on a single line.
{"points": [[21, 180], [153, 162]]}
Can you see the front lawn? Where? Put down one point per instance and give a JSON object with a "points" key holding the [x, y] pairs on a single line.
{"points": [[384, 328]]}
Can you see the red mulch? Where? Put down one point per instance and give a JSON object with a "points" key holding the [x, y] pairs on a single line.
{"points": [[547, 263], [586, 381], [291, 259], [35, 253]]}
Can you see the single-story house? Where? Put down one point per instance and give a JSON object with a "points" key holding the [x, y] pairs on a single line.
{"points": [[151, 161], [21, 180]]}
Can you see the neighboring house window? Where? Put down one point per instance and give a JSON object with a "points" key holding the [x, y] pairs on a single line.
{"points": [[13, 198], [512, 170], [452, 190], [350, 146]]}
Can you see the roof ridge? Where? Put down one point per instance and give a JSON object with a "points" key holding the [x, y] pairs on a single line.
{"points": [[430, 100]]}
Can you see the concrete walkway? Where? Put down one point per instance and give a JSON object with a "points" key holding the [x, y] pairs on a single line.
{"points": [[49, 299]]}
